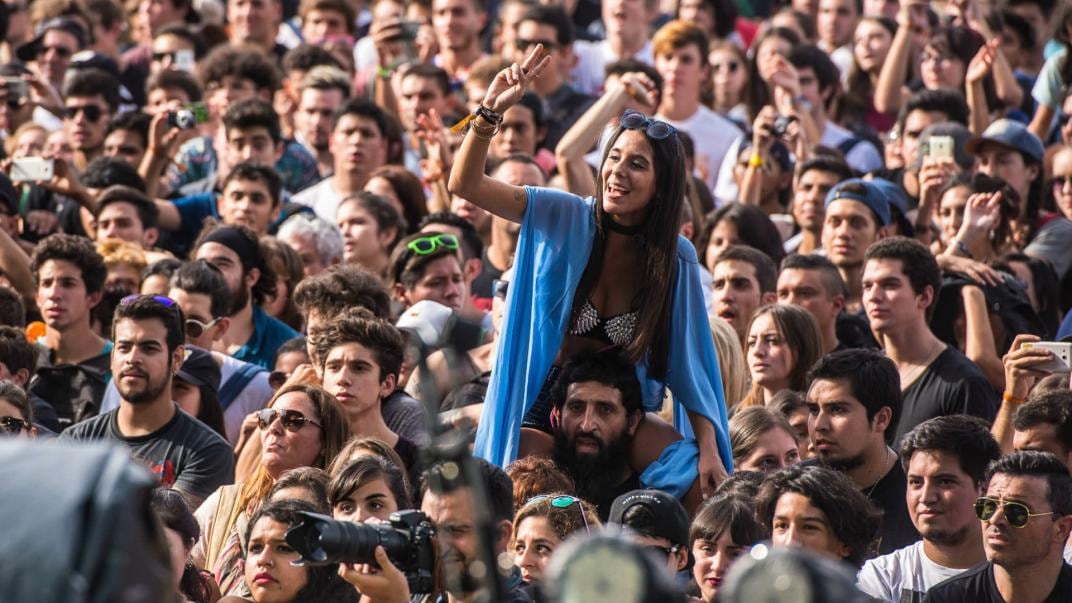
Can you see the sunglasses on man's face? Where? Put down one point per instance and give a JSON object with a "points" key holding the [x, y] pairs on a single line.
{"points": [[195, 328], [1059, 182], [292, 420], [13, 425], [1017, 514], [93, 113]]}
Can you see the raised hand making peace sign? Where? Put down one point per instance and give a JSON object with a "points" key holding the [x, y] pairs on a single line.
{"points": [[511, 83]]}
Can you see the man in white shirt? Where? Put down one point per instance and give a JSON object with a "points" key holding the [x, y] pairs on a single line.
{"points": [[680, 58], [628, 24], [359, 145], [945, 459]]}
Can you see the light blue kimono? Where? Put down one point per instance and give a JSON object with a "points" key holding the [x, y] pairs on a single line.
{"points": [[555, 243]]}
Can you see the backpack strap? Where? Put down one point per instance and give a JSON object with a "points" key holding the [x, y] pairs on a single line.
{"points": [[846, 146], [238, 382]]}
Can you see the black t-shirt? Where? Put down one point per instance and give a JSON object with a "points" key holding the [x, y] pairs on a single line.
{"points": [[185, 453], [604, 503], [978, 586], [951, 385], [482, 284], [888, 494]]}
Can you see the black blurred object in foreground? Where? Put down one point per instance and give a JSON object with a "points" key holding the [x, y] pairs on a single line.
{"points": [[79, 526], [767, 575]]}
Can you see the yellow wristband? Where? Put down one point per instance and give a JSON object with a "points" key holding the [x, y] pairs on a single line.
{"points": [[755, 161]]}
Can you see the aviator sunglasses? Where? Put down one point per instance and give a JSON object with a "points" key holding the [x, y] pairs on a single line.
{"points": [[292, 420], [1017, 514]]}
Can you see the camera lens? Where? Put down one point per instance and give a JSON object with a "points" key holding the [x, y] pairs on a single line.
{"points": [[329, 541]]}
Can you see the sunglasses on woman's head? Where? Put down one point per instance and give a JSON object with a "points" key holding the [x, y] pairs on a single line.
{"points": [[655, 129], [426, 245], [292, 420], [562, 502], [1017, 514], [13, 425]]}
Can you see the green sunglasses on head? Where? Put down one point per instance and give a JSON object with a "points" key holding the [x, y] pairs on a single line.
{"points": [[427, 245]]}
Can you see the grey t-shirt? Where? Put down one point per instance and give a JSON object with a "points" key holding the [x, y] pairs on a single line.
{"points": [[404, 416], [185, 454]]}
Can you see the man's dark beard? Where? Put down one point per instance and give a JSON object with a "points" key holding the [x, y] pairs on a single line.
{"points": [[151, 392], [239, 298], [594, 475], [942, 538]]}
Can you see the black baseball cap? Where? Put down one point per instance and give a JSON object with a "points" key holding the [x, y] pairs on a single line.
{"points": [[671, 519], [199, 368]]}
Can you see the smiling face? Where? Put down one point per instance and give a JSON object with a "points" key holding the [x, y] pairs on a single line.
{"points": [[284, 449], [534, 542], [372, 500], [940, 498], [628, 178], [269, 572], [770, 359]]}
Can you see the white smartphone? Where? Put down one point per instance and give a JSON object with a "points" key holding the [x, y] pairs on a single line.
{"points": [[32, 169], [1062, 352], [941, 147]]}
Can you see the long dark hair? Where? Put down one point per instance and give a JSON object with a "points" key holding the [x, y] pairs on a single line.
{"points": [[658, 247], [860, 91], [174, 514]]}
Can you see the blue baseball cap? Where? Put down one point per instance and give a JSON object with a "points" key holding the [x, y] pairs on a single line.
{"points": [[862, 191], [1011, 134]]}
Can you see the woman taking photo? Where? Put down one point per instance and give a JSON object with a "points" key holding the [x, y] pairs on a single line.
{"points": [[270, 573], [593, 273], [783, 343], [303, 426]]}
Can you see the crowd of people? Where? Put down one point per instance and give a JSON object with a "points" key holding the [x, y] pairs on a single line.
{"points": [[700, 274]]}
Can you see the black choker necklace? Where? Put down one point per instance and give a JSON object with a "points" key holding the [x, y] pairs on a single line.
{"points": [[623, 229]]}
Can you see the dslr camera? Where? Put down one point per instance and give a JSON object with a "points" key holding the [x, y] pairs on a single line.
{"points": [[408, 539]]}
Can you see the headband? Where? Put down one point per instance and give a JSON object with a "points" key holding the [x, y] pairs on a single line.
{"points": [[232, 238]]}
